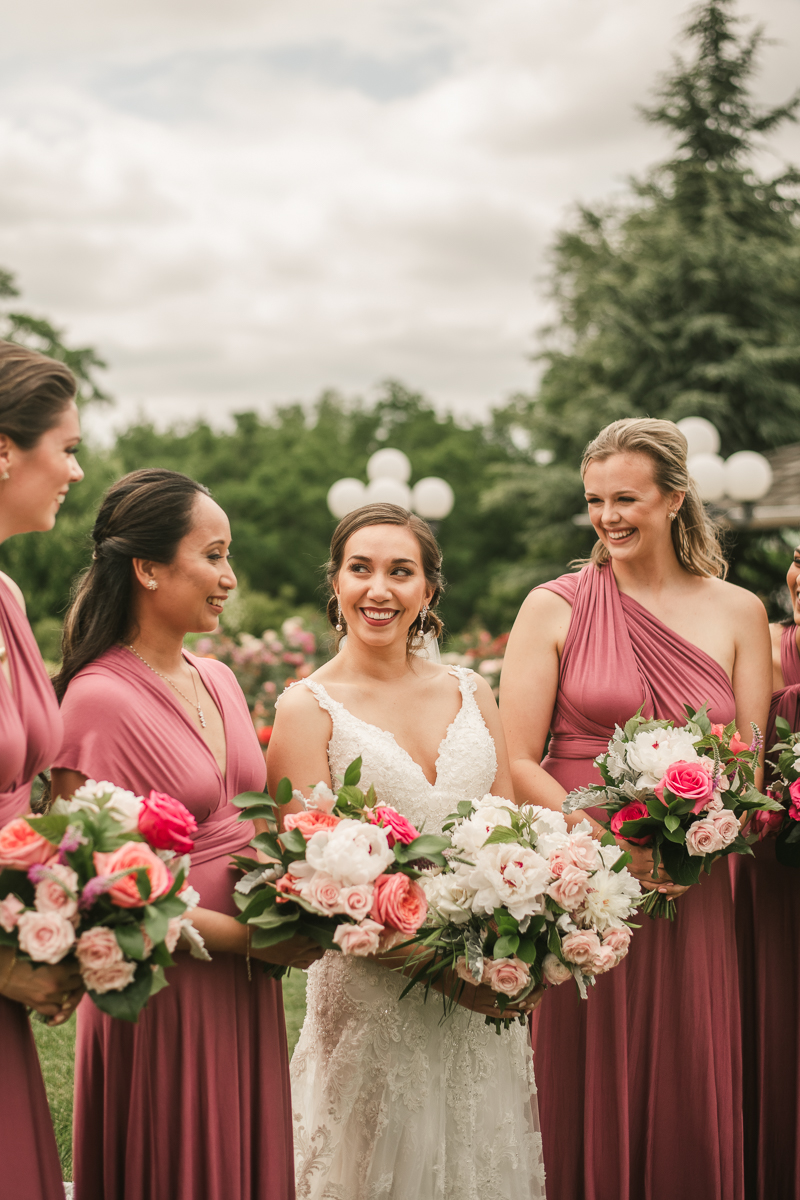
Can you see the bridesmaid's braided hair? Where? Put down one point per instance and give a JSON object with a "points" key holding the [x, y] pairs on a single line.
{"points": [[694, 535], [143, 515], [431, 555]]}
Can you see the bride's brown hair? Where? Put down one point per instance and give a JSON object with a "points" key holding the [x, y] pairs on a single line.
{"points": [[431, 555]]}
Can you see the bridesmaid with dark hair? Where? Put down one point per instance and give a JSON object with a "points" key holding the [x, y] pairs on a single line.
{"points": [[192, 1103], [767, 900], [640, 1087], [39, 436]]}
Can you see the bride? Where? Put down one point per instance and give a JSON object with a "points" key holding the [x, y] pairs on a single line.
{"points": [[391, 1103]]}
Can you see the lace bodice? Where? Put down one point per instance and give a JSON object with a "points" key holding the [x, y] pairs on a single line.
{"points": [[466, 765]]}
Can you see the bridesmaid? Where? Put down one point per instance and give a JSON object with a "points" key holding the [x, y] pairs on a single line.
{"points": [[192, 1103], [767, 902], [39, 435], [640, 1087]]}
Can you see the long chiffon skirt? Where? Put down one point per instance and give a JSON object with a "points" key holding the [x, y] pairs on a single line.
{"points": [[767, 902], [29, 1165]]}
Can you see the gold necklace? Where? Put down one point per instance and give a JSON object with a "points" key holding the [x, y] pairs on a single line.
{"points": [[194, 703]]}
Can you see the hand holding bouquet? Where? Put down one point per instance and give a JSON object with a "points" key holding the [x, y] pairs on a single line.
{"points": [[102, 877], [785, 789], [680, 791], [524, 902], [343, 872]]}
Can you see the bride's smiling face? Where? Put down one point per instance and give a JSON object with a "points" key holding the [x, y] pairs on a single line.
{"points": [[381, 585]]}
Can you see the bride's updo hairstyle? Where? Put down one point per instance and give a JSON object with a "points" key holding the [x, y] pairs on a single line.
{"points": [[431, 555], [694, 535], [143, 515]]}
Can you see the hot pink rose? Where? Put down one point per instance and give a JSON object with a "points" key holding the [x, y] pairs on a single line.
{"points": [[173, 934], [324, 893], [507, 975], [46, 937], [309, 822], [21, 846], [726, 825], [581, 851], [569, 890], [359, 940], [765, 823], [703, 838], [619, 940], [688, 781], [52, 895], [124, 892], [110, 979], [794, 800], [398, 828], [635, 811], [356, 901], [399, 902], [166, 823], [98, 949], [604, 960], [10, 909], [737, 745], [581, 948]]}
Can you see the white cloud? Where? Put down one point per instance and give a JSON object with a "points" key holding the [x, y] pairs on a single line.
{"points": [[244, 204]]}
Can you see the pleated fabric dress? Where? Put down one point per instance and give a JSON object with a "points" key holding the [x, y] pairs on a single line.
{"points": [[30, 735], [193, 1102], [767, 902], [640, 1086]]}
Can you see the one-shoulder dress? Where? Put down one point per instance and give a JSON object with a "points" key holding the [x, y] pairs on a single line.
{"points": [[193, 1102], [767, 901], [640, 1087], [30, 735]]}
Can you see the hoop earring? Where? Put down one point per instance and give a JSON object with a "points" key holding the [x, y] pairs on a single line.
{"points": [[338, 617], [152, 585], [423, 616]]}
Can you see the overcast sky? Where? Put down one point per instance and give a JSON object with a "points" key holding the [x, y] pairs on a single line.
{"points": [[241, 203]]}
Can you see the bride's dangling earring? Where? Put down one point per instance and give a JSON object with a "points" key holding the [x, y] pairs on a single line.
{"points": [[423, 616], [338, 618]]}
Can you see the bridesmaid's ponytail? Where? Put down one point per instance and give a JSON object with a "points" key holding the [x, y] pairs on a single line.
{"points": [[694, 535], [143, 515]]}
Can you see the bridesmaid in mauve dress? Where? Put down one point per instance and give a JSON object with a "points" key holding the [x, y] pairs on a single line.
{"points": [[767, 902], [39, 431], [191, 1103], [640, 1087]]}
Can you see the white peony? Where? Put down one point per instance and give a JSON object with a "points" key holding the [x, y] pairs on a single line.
{"points": [[351, 853], [321, 798], [509, 876], [610, 899], [549, 826], [651, 751], [472, 832], [449, 897], [93, 796]]}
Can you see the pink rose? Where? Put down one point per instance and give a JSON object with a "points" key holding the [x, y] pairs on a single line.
{"points": [[507, 975], [287, 886], [619, 940], [98, 949], [399, 902], [21, 846], [763, 823], [124, 892], [581, 851], [794, 800], [604, 960], [635, 811], [110, 979], [726, 825], [569, 890], [703, 838], [398, 828], [310, 822], [323, 891], [173, 934], [148, 941], [356, 901], [581, 948], [165, 823], [557, 861], [688, 781], [463, 971], [53, 894], [718, 731], [46, 937], [10, 909], [359, 940], [737, 745], [555, 972]]}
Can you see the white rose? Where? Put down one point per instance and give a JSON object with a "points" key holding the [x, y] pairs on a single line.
{"points": [[351, 853], [651, 751], [510, 876], [449, 897], [611, 898]]}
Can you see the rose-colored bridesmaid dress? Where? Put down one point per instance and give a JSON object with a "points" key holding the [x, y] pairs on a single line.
{"points": [[193, 1102], [767, 903], [640, 1086], [30, 734]]}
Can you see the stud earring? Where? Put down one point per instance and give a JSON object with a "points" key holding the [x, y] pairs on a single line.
{"points": [[152, 585], [338, 618], [673, 515], [5, 475]]}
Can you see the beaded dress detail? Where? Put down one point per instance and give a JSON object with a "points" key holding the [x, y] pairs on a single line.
{"points": [[389, 1102]]}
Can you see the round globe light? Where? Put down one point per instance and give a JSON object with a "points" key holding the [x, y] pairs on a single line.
{"points": [[432, 498], [389, 464], [345, 495], [708, 472], [702, 436], [387, 491], [748, 476]]}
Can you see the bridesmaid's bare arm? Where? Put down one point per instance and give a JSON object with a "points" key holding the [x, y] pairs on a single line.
{"points": [[503, 783], [752, 668]]}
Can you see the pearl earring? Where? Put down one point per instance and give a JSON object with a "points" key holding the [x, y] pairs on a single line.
{"points": [[338, 618], [152, 584]]}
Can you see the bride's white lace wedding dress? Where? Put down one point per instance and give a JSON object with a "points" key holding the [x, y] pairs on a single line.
{"points": [[389, 1102]]}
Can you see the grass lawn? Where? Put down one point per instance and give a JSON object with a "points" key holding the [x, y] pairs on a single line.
{"points": [[57, 1053]]}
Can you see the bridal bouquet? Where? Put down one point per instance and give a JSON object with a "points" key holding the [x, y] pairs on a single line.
{"points": [[680, 790], [785, 789], [102, 877], [343, 872], [523, 902]]}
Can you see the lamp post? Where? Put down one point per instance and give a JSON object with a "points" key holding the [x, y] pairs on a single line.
{"points": [[745, 477], [388, 473]]}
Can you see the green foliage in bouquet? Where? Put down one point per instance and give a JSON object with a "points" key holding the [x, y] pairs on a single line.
{"points": [[787, 844]]}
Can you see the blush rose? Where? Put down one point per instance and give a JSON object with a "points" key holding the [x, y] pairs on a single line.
{"points": [[703, 838], [619, 940], [569, 889], [581, 948], [359, 940], [507, 975], [124, 892], [399, 902], [10, 909], [53, 894], [97, 949], [308, 822], [555, 972], [110, 979], [45, 937]]}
